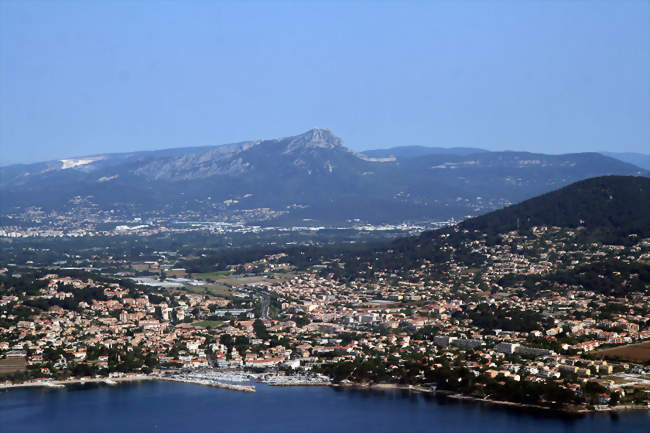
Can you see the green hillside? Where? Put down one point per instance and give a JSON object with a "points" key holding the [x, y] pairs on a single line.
{"points": [[609, 207]]}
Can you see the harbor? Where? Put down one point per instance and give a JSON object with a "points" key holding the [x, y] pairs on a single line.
{"points": [[239, 380]]}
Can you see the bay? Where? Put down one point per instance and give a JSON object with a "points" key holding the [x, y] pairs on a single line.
{"points": [[176, 407]]}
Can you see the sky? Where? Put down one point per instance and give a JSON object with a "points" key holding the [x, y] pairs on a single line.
{"points": [[81, 78]]}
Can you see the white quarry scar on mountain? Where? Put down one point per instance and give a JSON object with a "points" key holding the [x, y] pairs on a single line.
{"points": [[71, 163], [107, 178]]}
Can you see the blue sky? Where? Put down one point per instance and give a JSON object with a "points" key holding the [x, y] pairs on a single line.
{"points": [[80, 78]]}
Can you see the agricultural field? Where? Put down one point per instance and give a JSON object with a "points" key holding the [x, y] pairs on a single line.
{"points": [[639, 352], [229, 279], [220, 290], [212, 275], [224, 283], [11, 364]]}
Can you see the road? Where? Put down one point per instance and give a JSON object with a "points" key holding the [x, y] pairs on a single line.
{"points": [[265, 301]]}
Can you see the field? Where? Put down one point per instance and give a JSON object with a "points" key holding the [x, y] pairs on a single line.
{"points": [[12, 364], [220, 290], [224, 284], [230, 280], [632, 352], [211, 275], [208, 324]]}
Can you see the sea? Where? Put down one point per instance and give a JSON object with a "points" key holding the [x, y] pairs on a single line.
{"points": [[178, 407]]}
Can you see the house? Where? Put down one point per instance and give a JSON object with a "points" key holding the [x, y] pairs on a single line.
{"points": [[265, 362]]}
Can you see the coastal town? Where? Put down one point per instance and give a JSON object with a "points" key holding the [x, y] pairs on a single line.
{"points": [[324, 216], [505, 332]]}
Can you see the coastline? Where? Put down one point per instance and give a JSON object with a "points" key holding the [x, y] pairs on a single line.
{"points": [[125, 379], [457, 396], [344, 386], [72, 381]]}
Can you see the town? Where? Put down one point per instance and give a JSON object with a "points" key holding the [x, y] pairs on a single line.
{"points": [[520, 329], [84, 219]]}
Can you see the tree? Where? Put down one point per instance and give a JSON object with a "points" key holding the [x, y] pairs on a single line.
{"points": [[260, 330]]}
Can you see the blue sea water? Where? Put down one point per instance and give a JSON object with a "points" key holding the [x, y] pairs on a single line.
{"points": [[176, 407]]}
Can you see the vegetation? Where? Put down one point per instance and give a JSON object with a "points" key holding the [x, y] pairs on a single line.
{"points": [[600, 204], [613, 278], [490, 317]]}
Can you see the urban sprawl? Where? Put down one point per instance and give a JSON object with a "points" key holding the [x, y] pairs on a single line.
{"points": [[499, 333]]}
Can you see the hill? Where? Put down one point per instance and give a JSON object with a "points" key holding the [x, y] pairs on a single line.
{"points": [[612, 205], [608, 209], [404, 152]]}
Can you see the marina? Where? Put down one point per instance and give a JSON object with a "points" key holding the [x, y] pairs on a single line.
{"points": [[239, 380]]}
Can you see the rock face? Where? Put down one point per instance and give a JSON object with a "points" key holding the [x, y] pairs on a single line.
{"points": [[311, 175], [313, 139], [310, 151]]}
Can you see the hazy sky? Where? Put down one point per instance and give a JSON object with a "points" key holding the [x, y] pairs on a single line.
{"points": [[80, 78]]}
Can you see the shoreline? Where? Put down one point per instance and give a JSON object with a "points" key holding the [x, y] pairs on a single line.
{"points": [[463, 397], [64, 382], [126, 379], [112, 381]]}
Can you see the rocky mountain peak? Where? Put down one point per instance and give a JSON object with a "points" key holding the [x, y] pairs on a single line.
{"points": [[313, 139]]}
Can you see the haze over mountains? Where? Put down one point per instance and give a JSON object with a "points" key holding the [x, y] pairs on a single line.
{"points": [[639, 159], [311, 176]]}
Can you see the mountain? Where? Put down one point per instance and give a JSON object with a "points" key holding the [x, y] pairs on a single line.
{"points": [[402, 152], [311, 176], [639, 159]]}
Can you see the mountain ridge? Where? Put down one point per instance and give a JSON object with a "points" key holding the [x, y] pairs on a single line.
{"points": [[308, 177], [400, 152]]}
